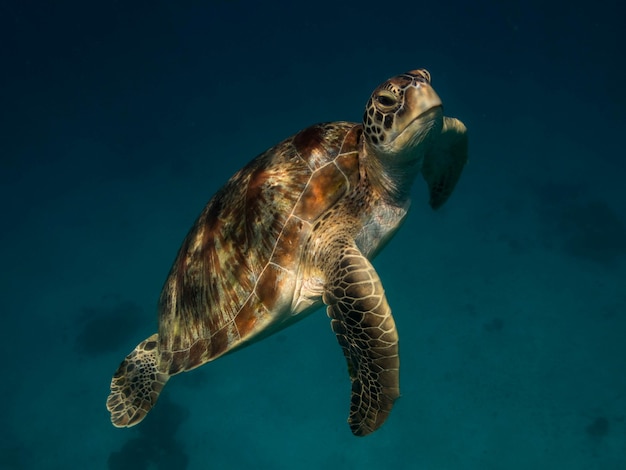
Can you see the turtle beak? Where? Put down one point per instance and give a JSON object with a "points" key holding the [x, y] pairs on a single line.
{"points": [[421, 98]]}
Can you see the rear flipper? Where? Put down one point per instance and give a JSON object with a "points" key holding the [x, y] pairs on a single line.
{"points": [[136, 385]]}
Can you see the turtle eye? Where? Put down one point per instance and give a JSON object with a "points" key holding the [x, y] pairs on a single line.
{"points": [[386, 99]]}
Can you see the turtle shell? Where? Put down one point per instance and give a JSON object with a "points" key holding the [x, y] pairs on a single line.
{"points": [[236, 276]]}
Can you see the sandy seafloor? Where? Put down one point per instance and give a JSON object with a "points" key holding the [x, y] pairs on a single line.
{"points": [[120, 122]]}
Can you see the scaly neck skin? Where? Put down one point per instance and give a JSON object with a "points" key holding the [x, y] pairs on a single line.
{"points": [[391, 179], [392, 166]]}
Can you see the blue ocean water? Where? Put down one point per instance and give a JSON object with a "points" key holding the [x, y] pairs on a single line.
{"points": [[118, 123]]}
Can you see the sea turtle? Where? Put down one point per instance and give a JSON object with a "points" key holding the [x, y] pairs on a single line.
{"points": [[297, 227]]}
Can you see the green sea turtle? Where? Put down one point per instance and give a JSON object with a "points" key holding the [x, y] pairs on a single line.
{"points": [[296, 228]]}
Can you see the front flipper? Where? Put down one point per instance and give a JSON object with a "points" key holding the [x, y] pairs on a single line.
{"points": [[444, 162], [365, 329]]}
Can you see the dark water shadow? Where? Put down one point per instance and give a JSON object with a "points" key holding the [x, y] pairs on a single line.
{"points": [[104, 330], [579, 225], [593, 231], [156, 446]]}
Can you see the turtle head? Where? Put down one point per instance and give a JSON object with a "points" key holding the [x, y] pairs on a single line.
{"points": [[402, 117], [401, 113]]}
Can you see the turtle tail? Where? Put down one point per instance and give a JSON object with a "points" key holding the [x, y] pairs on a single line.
{"points": [[136, 384]]}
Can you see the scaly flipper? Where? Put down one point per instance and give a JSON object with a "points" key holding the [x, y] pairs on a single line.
{"points": [[444, 162], [136, 385], [366, 331]]}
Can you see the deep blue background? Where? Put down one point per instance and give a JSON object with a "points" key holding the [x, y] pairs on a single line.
{"points": [[119, 120]]}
